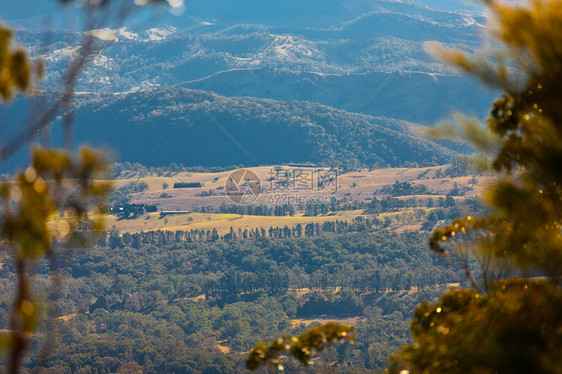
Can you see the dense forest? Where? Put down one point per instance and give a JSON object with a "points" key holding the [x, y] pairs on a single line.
{"points": [[166, 307], [196, 126], [200, 127]]}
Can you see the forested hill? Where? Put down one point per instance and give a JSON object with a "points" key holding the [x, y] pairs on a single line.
{"points": [[421, 97], [175, 125]]}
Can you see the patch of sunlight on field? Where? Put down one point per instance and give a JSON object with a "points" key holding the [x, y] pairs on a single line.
{"points": [[222, 222], [352, 321], [236, 221], [154, 183]]}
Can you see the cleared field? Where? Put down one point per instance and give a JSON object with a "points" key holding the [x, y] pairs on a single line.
{"points": [[354, 186], [352, 321], [359, 185], [221, 222]]}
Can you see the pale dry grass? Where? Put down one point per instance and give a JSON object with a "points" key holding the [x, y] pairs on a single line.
{"points": [[359, 185], [352, 321], [221, 222], [223, 348], [67, 317]]}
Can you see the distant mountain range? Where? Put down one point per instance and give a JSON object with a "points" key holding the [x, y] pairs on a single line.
{"points": [[355, 56], [296, 14], [361, 56]]}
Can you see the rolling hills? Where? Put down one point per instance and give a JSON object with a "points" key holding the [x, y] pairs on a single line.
{"points": [[360, 56], [413, 96], [316, 81], [160, 126]]}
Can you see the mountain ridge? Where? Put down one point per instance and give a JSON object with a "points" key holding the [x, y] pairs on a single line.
{"points": [[432, 96], [157, 127], [220, 129]]}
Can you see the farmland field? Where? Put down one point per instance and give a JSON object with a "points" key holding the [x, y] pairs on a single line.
{"points": [[200, 206]]}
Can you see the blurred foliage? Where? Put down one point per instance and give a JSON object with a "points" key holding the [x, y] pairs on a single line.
{"points": [[526, 122], [14, 67], [38, 193], [517, 326], [53, 184], [302, 347], [102, 3]]}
